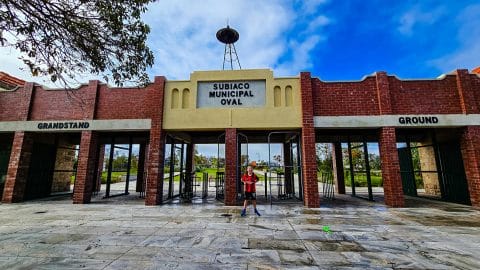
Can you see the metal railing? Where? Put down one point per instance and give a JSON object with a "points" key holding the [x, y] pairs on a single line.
{"points": [[328, 187]]}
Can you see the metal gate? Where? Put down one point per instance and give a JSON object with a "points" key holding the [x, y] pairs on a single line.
{"points": [[125, 168], [220, 175], [40, 173], [285, 182], [407, 171], [205, 185], [328, 185], [453, 181], [363, 171], [176, 184], [220, 186]]}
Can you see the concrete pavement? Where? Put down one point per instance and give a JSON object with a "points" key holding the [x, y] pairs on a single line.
{"points": [[348, 233]]}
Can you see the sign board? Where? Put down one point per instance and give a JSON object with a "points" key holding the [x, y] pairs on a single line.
{"points": [[365, 121], [231, 94], [76, 125]]}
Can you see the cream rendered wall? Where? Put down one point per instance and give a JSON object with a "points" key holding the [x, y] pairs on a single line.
{"points": [[268, 117]]}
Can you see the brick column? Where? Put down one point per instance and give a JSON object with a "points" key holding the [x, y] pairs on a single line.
{"points": [[337, 160], [383, 93], [140, 168], [26, 104], [88, 176], [466, 92], [470, 138], [156, 149], [90, 98], [18, 166], [311, 197], [392, 182], [470, 146], [86, 167], [17, 172], [156, 153], [231, 156]]}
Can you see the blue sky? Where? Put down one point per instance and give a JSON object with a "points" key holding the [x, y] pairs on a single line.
{"points": [[335, 40]]}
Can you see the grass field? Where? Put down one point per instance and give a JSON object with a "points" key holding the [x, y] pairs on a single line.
{"points": [[116, 177], [211, 173], [361, 181]]}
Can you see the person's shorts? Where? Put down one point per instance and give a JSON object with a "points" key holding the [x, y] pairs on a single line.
{"points": [[250, 196]]}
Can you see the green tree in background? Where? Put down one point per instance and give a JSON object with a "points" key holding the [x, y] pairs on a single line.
{"points": [[62, 39], [416, 159], [375, 163], [358, 159], [324, 157]]}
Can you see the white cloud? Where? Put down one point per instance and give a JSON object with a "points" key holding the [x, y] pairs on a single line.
{"points": [[11, 64], [273, 34], [301, 58], [311, 6], [417, 16], [317, 23], [183, 35], [467, 55]]}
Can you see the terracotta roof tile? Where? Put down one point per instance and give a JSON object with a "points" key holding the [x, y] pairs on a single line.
{"points": [[9, 80]]}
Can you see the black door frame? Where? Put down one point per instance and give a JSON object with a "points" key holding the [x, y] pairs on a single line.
{"points": [[444, 179], [292, 136], [367, 171]]}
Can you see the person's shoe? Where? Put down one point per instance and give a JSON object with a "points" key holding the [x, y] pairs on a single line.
{"points": [[244, 212], [256, 212]]}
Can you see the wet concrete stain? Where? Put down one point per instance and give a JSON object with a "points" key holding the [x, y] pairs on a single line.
{"points": [[441, 220], [260, 226], [271, 244], [64, 238], [313, 221], [337, 246], [310, 212], [457, 210]]}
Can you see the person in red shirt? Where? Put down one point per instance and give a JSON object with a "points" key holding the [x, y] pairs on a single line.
{"points": [[249, 179]]}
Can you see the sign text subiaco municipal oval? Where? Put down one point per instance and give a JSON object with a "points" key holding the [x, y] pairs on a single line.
{"points": [[231, 94]]}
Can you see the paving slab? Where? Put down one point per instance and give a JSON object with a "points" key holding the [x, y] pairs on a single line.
{"points": [[347, 233]]}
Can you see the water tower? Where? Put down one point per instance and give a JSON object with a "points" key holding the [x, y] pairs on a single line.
{"points": [[229, 36]]}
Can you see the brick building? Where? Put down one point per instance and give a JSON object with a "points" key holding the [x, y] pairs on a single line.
{"points": [[438, 120]]}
